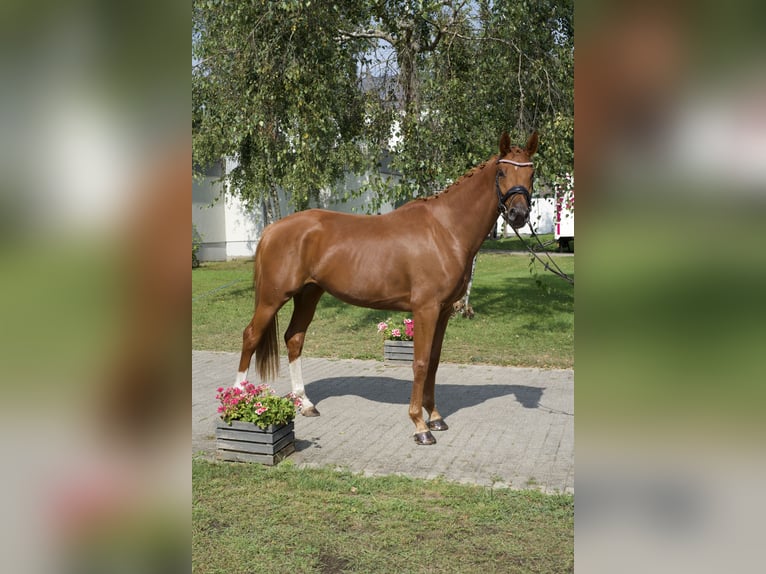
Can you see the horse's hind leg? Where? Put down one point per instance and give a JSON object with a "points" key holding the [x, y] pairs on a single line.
{"points": [[305, 303]]}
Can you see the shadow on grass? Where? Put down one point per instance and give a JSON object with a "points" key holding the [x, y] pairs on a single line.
{"points": [[449, 398], [229, 291], [243, 290], [523, 296], [516, 244]]}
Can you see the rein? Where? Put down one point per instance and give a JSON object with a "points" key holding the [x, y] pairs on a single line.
{"points": [[557, 271], [502, 198]]}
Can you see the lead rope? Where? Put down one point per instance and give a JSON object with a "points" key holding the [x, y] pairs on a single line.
{"points": [[504, 212], [557, 271]]}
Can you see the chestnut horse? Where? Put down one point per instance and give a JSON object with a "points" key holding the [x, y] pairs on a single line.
{"points": [[424, 251]]}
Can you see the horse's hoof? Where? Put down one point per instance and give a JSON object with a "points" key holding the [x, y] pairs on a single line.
{"points": [[424, 438], [438, 425], [310, 412]]}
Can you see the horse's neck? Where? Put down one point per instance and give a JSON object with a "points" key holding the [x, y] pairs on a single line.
{"points": [[469, 209]]}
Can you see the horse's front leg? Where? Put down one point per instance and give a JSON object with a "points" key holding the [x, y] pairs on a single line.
{"points": [[426, 324], [435, 421]]}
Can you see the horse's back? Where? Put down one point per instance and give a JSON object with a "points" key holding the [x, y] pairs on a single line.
{"points": [[336, 227], [305, 236]]}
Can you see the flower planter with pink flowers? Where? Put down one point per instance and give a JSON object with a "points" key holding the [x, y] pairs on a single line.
{"points": [[398, 344], [256, 425], [246, 442], [399, 352]]}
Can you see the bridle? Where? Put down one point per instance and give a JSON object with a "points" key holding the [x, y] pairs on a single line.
{"points": [[502, 198]]}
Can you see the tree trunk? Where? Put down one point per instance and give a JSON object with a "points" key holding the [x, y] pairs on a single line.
{"points": [[463, 307]]}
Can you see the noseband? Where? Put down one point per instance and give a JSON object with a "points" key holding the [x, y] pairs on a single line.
{"points": [[502, 198]]}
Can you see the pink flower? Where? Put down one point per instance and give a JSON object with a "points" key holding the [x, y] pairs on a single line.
{"points": [[408, 321], [396, 333], [382, 326], [241, 402], [409, 328]]}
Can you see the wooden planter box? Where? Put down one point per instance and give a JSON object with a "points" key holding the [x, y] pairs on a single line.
{"points": [[398, 352], [247, 442]]}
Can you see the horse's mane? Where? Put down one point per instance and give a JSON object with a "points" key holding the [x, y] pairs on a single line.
{"points": [[455, 183]]}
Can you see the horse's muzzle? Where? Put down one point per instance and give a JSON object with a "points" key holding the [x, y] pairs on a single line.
{"points": [[518, 216]]}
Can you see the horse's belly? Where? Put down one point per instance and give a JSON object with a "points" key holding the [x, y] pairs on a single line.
{"points": [[368, 291]]}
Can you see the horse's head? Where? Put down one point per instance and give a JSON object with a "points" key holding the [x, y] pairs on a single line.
{"points": [[515, 176]]}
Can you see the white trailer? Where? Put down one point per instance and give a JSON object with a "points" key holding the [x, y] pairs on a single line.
{"points": [[563, 228]]}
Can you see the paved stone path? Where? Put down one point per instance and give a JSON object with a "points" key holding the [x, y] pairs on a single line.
{"points": [[508, 426]]}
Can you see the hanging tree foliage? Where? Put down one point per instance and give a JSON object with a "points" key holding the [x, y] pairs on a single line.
{"points": [[274, 91], [298, 93]]}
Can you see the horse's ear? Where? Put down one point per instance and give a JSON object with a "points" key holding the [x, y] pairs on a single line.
{"points": [[532, 143], [505, 144]]}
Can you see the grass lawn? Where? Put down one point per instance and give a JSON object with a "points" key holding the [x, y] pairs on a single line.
{"points": [[513, 243], [518, 321], [249, 518]]}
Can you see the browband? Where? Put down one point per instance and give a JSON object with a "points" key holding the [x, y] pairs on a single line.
{"points": [[516, 163]]}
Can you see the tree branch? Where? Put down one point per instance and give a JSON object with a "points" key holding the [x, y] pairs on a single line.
{"points": [[441, 30], [487, 38], [367, 34]]}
